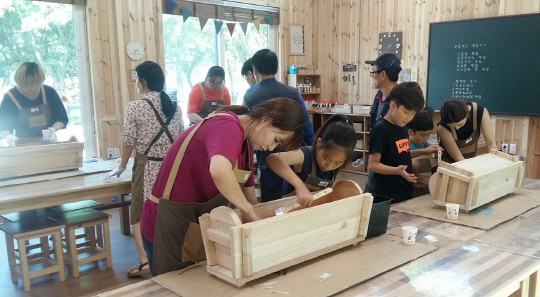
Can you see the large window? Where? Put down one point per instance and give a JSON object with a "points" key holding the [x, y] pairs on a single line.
{"points": [[190, 52], [45, 33]]}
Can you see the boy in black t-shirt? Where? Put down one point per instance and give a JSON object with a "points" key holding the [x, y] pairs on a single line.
{"points": [[390, 169]]}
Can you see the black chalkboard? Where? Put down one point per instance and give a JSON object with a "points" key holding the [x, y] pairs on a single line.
{"points": [[493, 61]]}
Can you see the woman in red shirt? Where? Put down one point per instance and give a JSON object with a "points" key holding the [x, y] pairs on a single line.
{"points": [[208, 166]]}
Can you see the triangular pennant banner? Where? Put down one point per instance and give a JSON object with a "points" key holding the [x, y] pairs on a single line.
{"points": [[218, 25], [269, 19], [231, 27], [244, 27], [203, 21], [171, 5], [257, 23], [186, 13]]}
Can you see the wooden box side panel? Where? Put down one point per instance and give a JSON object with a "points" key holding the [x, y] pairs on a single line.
{"points": [[40, 159], [457, 191], [279, 239], [496, 184]]}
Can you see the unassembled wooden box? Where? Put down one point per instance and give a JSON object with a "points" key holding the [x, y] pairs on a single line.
{"points": [[238, 253], [476, 181], [27, 160]]}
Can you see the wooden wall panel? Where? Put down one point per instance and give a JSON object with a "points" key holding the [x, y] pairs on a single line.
{"points": [[111, 25]]}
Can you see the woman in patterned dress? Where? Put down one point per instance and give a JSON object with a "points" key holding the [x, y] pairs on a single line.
{"points": [[150, 127]]}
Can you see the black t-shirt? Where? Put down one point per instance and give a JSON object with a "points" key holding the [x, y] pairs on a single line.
{"points": [[9, 113], [467, 129], [392, 142]]}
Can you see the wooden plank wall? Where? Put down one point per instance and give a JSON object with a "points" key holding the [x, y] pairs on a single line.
{"points": [[111, 25]]}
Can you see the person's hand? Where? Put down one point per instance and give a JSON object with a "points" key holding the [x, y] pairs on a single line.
{"points": [[11, 140], [118, 171], [402, 171], [250, 216], [304, 196], [433, 148]]}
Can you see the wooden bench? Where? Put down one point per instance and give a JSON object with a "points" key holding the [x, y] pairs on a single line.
{"points": [[22, 231], [97, 244]]}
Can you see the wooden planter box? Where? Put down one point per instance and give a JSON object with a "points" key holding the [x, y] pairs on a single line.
{"points": [[238, 253], [476, 181], [27, 160]]}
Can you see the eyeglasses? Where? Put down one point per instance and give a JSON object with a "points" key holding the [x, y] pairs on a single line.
{"points": [[373, 72]]}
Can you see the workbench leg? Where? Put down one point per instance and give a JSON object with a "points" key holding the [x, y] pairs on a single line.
{"points": [[125, 228], [534, 285]]}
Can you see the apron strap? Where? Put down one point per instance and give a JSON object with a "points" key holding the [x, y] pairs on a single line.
{"points": [[43, 95], [164, 126], [14, 100], [221, 99], [180, 155], [475, 118], [202, 91], [454, 134]]}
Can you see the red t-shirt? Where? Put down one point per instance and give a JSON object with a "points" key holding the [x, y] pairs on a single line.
{"points": [[221, 135], [195, 103]]}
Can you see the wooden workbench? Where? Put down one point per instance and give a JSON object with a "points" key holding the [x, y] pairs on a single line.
{"points": [[503, 261], [55, 191]]}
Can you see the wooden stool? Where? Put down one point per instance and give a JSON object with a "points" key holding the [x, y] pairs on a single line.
{"points": [[22, 231], [32, 215], [96, 226]]}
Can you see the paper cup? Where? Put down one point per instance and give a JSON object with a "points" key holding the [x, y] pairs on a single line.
{"points": [[46, 135], [452, 210], [409, 234]]}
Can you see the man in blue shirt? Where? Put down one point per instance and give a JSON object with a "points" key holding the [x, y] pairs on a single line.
{"points": [[265, 67], [247, 73]]}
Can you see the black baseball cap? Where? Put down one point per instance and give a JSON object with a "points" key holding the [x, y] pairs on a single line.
{"points": [[388, 62]]}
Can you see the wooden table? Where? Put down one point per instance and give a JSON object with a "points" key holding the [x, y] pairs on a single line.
{"points": [[504, 261], [64, 190]]}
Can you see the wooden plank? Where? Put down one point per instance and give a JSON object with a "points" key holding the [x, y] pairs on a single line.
{"points": [[365, 216], [223, 255], [453, 174], [236, 246], [292, 247], [40, 159], [209, 249], [218, 236]]}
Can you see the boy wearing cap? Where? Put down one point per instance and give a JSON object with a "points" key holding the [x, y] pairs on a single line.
{"points": [[385, 74]]}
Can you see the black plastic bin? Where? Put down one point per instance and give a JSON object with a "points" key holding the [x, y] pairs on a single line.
{"points": [[378, 221]]}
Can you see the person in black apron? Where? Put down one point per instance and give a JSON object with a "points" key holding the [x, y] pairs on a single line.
{"points": [[460, 127], [315, 168], [206, 168], [31, 107], [206, 97], [150, 126]]}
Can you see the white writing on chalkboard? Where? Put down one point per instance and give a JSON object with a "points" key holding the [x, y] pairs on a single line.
{"points": [[463, 88], [470, 61]]}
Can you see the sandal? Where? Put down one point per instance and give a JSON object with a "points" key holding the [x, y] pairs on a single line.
{"points": [[138, 270]]}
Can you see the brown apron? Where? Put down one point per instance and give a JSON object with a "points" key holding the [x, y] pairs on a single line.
{"points": [[177, 237], [468, 146], [209, 106], [32, 119], [314, 183], [137, 179]]}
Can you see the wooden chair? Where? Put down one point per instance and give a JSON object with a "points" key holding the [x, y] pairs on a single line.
{"points": [[96, 241], [25, 230]]}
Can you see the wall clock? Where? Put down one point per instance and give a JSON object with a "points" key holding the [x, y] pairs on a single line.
{"points": [[135, 50]]}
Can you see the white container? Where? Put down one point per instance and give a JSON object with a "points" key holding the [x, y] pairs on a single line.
{"points": [[409, 234], [361, 109], [339, 108], [452, 210]]}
